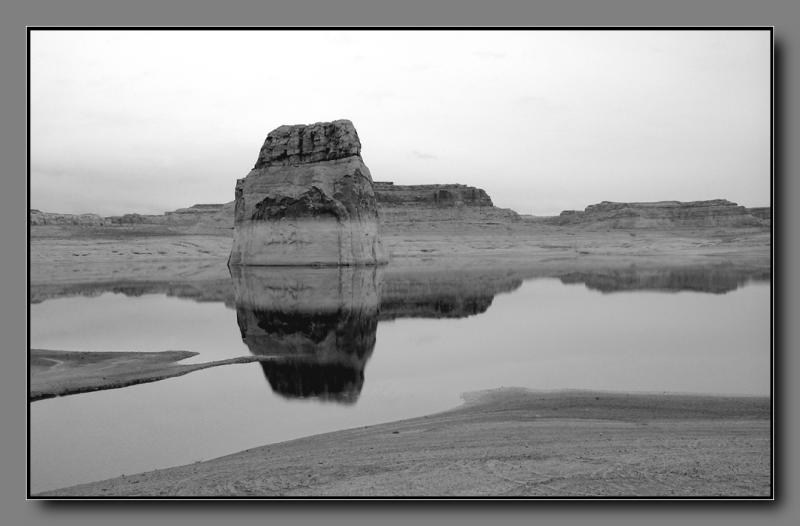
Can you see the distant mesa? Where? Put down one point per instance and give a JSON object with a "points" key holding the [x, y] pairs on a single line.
{"points": [[437, 202], [309, 200], [430, 195], [712, 213]]}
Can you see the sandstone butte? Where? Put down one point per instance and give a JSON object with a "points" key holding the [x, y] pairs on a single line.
{"points": [[309, 200]]}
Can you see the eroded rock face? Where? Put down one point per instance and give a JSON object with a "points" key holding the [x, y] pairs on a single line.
{"points": [[430, 195], [712, 213], [309, 200], [401, 205]]}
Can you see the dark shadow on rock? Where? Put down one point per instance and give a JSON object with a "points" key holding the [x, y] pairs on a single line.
{"points": [[320, 323], [716, 279]]}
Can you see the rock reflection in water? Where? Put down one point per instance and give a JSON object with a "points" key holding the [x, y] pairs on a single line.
{"points": [[320, 322], [711, 279], [443, 294]]}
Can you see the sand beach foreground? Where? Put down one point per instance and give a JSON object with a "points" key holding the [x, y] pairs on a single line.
{"points": [[501, 443]]}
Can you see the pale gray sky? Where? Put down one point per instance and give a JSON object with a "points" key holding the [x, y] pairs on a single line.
{"points": [[148, 121]]}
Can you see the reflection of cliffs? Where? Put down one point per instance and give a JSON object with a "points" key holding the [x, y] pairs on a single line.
{"points": [[405, 294], [432, 293], [319, 322], [442, 294], [713, 279], [201, 291]]}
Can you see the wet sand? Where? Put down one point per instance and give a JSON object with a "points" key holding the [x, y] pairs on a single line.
{"points": [[503, 442]]}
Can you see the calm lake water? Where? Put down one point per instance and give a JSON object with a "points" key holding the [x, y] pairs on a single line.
{"points": [[357, 348]]}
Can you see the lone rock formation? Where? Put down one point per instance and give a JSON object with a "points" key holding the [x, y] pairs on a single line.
{"points": [[308, 200]]}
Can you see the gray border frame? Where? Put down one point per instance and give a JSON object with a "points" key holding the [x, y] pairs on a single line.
{"points": [[16, 510]]}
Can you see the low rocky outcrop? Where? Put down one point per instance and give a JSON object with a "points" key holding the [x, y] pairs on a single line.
{"points": [[437, 202], [136, 219], [430, 195], [39, 218], [219, 215], [713, 213], [309, 200], [201, 213], [200, 218]]}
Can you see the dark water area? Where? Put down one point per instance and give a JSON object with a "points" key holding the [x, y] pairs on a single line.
{"points": [[357, 347]]}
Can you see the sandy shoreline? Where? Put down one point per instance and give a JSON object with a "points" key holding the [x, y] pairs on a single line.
{"points": [[527, 249], [503, 442]]}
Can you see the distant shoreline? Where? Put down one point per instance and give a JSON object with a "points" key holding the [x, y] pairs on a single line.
{"points": [[60, 254]]}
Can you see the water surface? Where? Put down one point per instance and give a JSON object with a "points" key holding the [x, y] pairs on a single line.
{"points": [[360, 347]]}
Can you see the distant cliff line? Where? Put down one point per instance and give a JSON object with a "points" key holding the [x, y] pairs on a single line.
{"points": [[710, 213], [458, 202]]}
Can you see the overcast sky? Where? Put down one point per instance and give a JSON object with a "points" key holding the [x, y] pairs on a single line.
{"points": [[149, 121]]}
